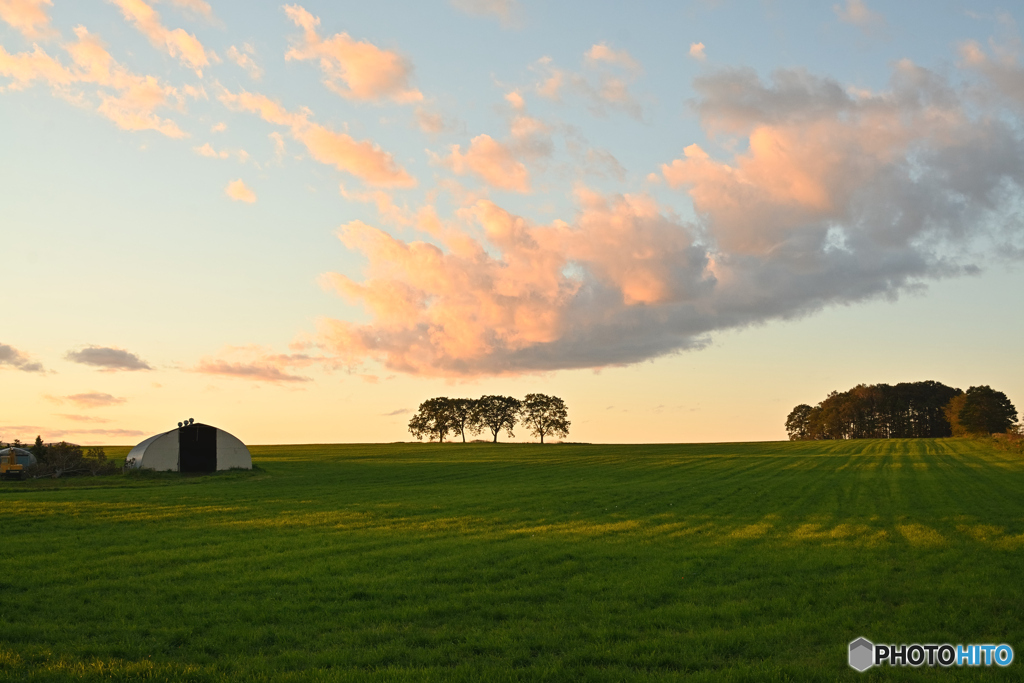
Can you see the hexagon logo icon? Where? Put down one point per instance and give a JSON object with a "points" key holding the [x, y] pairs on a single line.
{"points": [[862, 654]]}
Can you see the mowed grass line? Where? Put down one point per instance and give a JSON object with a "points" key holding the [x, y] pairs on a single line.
{"points": [[511, 562]]}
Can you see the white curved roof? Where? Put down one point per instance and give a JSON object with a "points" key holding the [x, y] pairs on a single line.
{"points": [[160, 452], [24, 457]]}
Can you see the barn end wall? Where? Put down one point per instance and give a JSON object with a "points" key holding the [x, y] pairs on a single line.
{"points": [[231, 452], [158, 452]]}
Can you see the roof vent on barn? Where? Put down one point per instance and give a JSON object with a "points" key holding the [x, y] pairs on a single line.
{"points": [[192, 447]]}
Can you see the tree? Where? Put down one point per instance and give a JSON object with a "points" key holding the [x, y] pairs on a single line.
{"points": [[952, 413], [497, 413], [544, 414], [877, 411], [433, 419], [798, 424], [986, 411], [463, 413], [38, 449]]}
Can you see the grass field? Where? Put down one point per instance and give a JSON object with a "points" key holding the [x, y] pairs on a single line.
{"points": [[474, 562]]}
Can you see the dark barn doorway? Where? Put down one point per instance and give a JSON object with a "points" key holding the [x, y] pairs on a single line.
{"points": [[197, 448]]}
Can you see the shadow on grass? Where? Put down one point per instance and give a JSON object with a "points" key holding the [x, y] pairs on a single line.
{"points": [[130, 479]]}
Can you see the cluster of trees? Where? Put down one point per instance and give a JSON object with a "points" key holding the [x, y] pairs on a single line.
{"points": [[543, 415], [63, 459], [901, 411]]}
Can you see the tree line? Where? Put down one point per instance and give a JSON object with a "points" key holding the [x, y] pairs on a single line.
{"points": [[543, 415], [64, 459], [903, 411]]}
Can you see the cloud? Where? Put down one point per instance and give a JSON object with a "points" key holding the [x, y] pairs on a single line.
{"points": [[824, 196], [218, 127], [127, 99], [603, 90], [363, 159], [26, 67], [52, 434], [515, 100], [240, 192], [601, 162], [82, 418], [93, 399], [177, 43], [697, 51], [552, 80], [12, 357], [107, 358], [394, 413], [600, 52], [1004, 75], [208, 151], [278, 141], [467, 312], [430, 122], [254, 371], [493, 162], [199, 7], [354, 69], [28, 16], [857, 13], [508, 11], [255, 363], [244, 59]]}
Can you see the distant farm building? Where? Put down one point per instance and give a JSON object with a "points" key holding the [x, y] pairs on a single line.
{"points": [[192, 447], [24, 457]]}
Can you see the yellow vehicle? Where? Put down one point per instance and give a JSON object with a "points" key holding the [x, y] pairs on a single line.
{"points": [[9, 467]]}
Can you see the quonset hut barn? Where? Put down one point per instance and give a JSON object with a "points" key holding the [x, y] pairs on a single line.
{"points": [[24, 457], [192, 447]]}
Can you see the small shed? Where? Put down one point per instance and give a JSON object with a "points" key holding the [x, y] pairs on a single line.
{"points": [[24, 457], [192, 447]]}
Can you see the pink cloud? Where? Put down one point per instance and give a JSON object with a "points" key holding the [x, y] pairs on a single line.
{"points": [[603, 88], [857, 13], [240, 192], [362, 159], [354, 69], [28, 16], [244, 59], [823, 196], [26, 67], [430, 122], [506, 10], [199, 7], [697, 52], [806, 169], [602, 53], [50, 434], [127, 99], [207, 150], [515, 100], [177, 43], [92, 399], [493, 162], [257, 364], [82, 418], [467, 312]]}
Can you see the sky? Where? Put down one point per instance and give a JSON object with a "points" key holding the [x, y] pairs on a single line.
{"points": [[298, 221]]}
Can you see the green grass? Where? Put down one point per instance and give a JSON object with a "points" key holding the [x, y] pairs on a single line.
{"points": [[504, 563]]}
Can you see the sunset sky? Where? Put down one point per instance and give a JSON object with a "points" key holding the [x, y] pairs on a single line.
{"points": [[297, 221]]}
